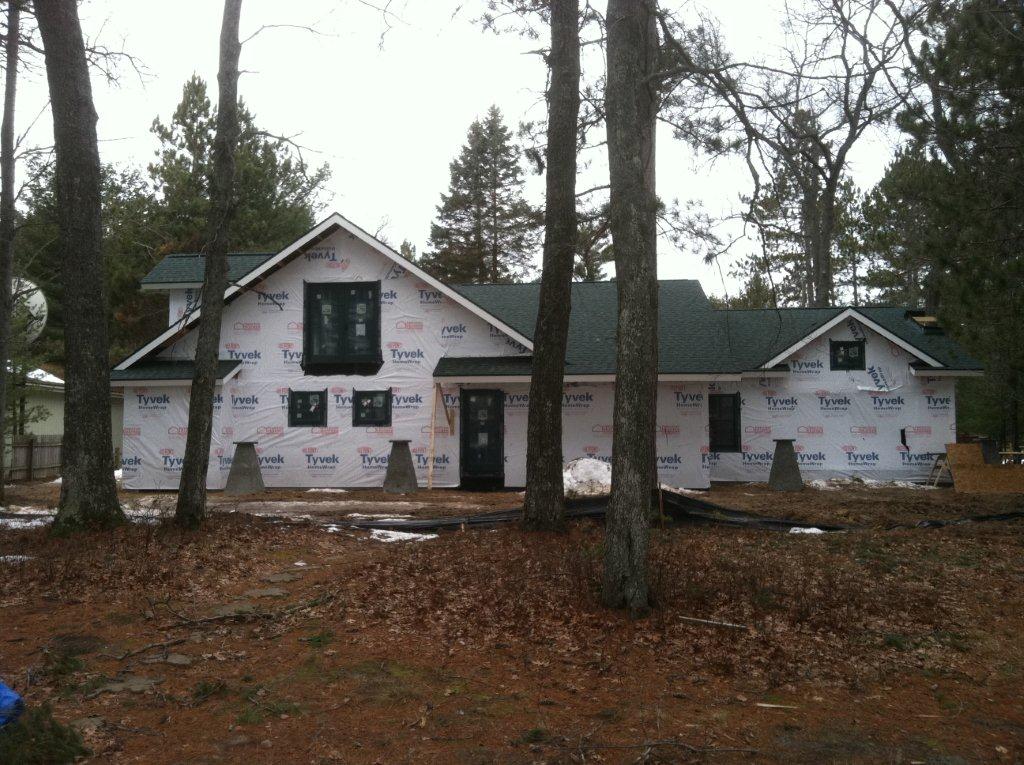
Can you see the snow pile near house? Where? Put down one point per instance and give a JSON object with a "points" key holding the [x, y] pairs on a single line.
{"points": [[587, 477], [806, 530]]}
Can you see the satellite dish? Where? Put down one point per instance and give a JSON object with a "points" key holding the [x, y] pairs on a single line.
{"points": [[30, 310]]}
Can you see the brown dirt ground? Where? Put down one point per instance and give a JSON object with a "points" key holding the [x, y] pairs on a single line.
{"points": [[492, 647]]}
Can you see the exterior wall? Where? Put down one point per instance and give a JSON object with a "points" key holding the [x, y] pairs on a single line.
{"points": [[264, 330], [842, 424], [587, 430]]}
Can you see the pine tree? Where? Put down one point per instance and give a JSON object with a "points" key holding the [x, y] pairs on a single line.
{"points": [[277, 191], [485, 229]]}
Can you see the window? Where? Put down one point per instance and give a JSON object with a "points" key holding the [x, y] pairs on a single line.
{"points": [[371, 407], [724, 422], [307, 408], [342, 328], [846, 354]]}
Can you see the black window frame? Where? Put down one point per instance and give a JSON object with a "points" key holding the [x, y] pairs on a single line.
{"points": [[835, 345], [346, 362], [720, 444], [384, 422], [293, 405]]}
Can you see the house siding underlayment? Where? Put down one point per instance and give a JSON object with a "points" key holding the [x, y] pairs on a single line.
{"points": [[418, 326], [839, 429]]}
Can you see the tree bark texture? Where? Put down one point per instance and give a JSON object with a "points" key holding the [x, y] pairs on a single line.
{"points": [[629, 105], [7, 215], [544, 506], [191, 508], [88, 494]]}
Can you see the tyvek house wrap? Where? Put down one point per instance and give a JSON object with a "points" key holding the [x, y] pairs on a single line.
{"points": [[264, 330], [680, 430], [845, 423]]}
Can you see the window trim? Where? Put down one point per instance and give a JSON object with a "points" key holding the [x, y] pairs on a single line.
{"points": [[832, 347], [355, 409], [359, 364], [737, 427], [323, 418]]}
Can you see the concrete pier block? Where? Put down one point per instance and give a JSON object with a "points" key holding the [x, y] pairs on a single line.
{"points": [[785, 475], [401, 475], [245, 476]]}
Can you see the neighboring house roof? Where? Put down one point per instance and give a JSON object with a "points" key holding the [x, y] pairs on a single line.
{"points": [[186, 269], [176, 372], [44, 377], [694, 337]]}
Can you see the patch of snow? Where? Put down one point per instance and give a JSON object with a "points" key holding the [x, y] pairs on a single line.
{"points": [[806, 530], [24, 523], [587, 477], [118, 474], [58, 480], [327, 491], [835, 484], [380, 535], [300, 563], [14, 558], [43, 376]]}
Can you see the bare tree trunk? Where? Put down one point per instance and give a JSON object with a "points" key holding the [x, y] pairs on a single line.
{"points": [[545, 505], [191, 507], [628, 102], [88, 494], [7, 220]]}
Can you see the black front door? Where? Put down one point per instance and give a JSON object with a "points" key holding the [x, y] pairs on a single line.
{"points": [[482, 417]]}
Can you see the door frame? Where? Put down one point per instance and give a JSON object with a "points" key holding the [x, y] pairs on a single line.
{"points": [[489, 478]]}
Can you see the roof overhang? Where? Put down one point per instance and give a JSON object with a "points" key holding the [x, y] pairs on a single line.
{"points": [[852, 313], [595, 378], [164, 286], [329, 225], [161, 380]]}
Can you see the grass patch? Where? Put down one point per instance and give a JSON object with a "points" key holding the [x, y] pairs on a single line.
{"points": [[319, 639], [39, 739], [534, 736], [206, 689]]}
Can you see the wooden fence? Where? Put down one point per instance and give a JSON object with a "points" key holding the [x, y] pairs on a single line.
{"points": [[34, 458]]}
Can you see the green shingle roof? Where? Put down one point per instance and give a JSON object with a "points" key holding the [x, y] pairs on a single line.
{"points": [[148, 371], [694, 337], [189, 267]]}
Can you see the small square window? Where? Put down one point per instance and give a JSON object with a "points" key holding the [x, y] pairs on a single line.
{"points": [[307, 408], [846, 355], [371, 407]]}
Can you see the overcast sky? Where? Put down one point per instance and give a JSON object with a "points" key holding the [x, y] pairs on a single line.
{"points": [[388, 116]]}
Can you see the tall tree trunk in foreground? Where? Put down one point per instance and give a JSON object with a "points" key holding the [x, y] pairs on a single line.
{"points": [[191, 507], [7, 218], [545, 504], [629, 102], [88, 494]]}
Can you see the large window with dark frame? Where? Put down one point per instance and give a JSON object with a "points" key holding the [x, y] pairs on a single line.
{"points": [[724, 422], [846, 355], [371, 407], [342, 328], [307, 408]]}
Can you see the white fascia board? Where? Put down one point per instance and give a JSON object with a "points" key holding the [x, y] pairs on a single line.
{"points": [[851, 313], [165, 286], [333, 221], [946, 372]]}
